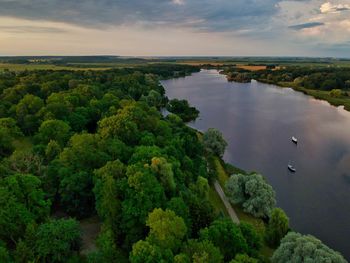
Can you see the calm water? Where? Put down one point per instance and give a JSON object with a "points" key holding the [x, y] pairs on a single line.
{"points": [[258, 121]]}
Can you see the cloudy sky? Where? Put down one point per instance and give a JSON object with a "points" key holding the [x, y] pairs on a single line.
{"points": [[175, 27]]}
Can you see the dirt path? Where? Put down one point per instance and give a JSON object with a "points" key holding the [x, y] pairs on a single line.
{"points": [[227, 204]]}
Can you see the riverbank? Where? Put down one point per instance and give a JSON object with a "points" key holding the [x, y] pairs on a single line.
{"points": [[317, 94], [341, 98]]}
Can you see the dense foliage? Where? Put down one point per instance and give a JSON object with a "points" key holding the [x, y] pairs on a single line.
{"points": [[251, 191], [76, 145], [298, 248]]}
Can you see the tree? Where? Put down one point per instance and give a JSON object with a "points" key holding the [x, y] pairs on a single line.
{"points": [[166, 229], [57, 240], [202, 252], [336, 93], [296, 247], [54, 130], [166, 174], [277, 228], [227, 236], [26, 111], [251, 191], [183, 110], [214, 142], [145, 252], [27, 190], [107, 196], [242, 258]]}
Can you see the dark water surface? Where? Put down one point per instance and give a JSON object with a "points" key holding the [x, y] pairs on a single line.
{"points": [[258, 121]]}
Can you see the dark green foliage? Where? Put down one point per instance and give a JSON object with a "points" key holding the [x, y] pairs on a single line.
{"points": [[227, 237], [183, 110], [277, 228], [57, 240]]}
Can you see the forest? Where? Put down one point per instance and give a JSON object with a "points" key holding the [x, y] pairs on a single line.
{"points": [[81, 144]]}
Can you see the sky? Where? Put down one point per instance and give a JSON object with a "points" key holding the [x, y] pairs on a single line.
{"points": [[316, 28]]}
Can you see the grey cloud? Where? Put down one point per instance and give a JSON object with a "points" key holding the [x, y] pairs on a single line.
{"points": [[306, 25], [30, 29], [207, 15]]}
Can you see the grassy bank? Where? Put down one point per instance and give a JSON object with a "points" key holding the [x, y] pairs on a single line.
{"points": [[223, 171]]}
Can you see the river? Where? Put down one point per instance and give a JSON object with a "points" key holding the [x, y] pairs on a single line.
{"points": [[258, 121]]}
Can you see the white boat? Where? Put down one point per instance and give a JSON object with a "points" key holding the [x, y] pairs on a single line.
{"points": [[291, 168], [295, 140]]}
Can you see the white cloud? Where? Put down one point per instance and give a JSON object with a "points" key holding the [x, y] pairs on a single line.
{"points": [[333, 8], [178, 2]]}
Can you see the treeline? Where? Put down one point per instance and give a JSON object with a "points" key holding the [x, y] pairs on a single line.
{"points": [[319, 78]]}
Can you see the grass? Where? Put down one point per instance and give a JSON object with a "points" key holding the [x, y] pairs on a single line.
{"points": [[216, 202], [223, 175]]}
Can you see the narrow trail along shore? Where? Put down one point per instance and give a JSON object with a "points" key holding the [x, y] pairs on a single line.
{"points": [[227, 204]]}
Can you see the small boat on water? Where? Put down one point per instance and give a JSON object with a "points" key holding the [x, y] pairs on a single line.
{"points": [[295, 140], [291, 168]]}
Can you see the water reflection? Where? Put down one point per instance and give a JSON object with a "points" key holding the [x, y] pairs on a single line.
{"points": [[258, 121]]}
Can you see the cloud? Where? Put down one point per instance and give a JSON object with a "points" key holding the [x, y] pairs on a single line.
{"points": [[307, 25], [204, 15], [333, 8], [31, 29]]}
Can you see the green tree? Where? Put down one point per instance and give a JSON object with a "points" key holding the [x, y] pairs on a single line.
{"points": [[26, 111], [251, 191], [27, 190], [166, 174], [54, 130], [145, 252], [242, 258], [203, 252], [167, 230], [305, 248], [183, 110], [227, 236], [57, 240], [277, 228], [214, 142]]}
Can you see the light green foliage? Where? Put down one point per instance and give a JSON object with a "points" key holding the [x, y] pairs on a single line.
{"points": [[296, 247], [54, 130], [144, 252], [53, 149], [242, 258], [108, 204], [251, 191], [181, 209], [202, 187], [277, 228], [336, 93], [214, 142], [10, 126], [165, 172], [167, 230], [202, 252], [57, 240], [181, 258]]}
